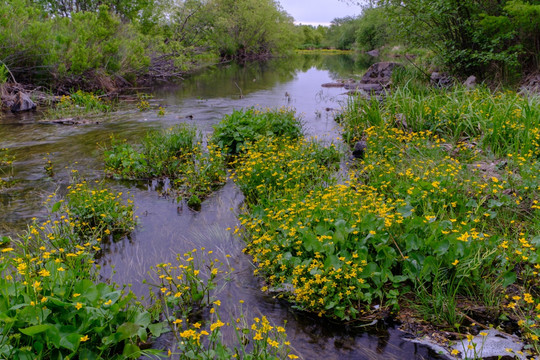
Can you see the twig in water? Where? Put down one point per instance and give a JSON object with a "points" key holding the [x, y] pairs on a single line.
{"points": [[241, 95]]}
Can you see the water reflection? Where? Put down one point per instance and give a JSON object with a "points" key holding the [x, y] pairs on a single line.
{"points": [[167, 227]]}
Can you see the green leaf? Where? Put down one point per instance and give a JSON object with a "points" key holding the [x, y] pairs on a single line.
{"points": [[131, 351], [158, 329], [70, 341], [36, 329], [143, 319], [509, 278], [443, 247], [56, 207], [127, 330]]}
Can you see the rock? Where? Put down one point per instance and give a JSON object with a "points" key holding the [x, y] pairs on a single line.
{"points": [[333, 85], [374, 53], [377, 88], [375, 81], [441, 80], [8, 101], [401, 121], [22, 103], [493, 344], [380, 73], [359, 149], [470, 82]]}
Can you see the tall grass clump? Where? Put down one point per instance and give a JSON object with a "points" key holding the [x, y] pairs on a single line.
{"points": [[247, 125], [500, 122], [177, 154]]}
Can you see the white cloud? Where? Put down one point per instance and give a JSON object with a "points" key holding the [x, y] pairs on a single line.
{"points": [[315, 12]]}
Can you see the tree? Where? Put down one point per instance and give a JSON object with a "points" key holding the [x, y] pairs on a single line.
{"points": [[246, 29], [473, 36]]}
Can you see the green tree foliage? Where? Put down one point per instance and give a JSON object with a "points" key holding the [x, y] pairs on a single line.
{"points": [[127, 9], [342, 33], [373, 30], [311, 37], [473, 36], [109, 41], [247, 29], [370, 30], [37, 47]]}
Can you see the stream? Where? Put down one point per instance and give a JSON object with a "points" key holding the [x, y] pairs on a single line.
{"points": [[167, 228]]}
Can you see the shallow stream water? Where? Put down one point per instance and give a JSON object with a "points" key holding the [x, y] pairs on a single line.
{"points": [[167, 227]]}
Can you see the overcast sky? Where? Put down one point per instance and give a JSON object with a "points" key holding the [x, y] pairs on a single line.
{"points": [[315, 12]]}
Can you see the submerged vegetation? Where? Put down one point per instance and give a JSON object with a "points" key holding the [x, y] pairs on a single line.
{"points": [[6, 167]]}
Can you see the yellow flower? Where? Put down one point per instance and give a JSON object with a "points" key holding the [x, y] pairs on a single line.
{"points": [[7, 250], [470, 337], [217, 302], [76, 295], [216, 325], [78, 306], [454, 352], [44, 273], [85, 338], [292, 356], [455, 262]]}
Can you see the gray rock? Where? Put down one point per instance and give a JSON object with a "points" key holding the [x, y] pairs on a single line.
{"points": [[441, 80], [401, 121], [494, 344], [359, 149], [374, 53], [380, 73], [8, 101], [365, 87], [22, 103], [470, 83]]}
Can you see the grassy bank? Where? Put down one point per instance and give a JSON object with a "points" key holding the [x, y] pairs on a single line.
{"points": [[440, 217]]}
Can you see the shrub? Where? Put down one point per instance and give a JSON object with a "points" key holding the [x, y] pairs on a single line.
{"points": [[177, 154], [243, 126]]}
